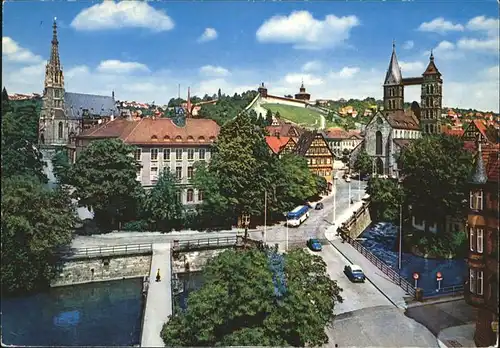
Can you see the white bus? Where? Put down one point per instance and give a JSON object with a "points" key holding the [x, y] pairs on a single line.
{"points": [[297, 216]]}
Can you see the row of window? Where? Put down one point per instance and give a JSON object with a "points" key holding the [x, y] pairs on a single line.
{"points": [[476, 240], [392, 91], [476, 282], [343, 143], [317, 150], [190, 196], [399, 133], [178, 173], [167, 154], [324, 173], [392, 104], [431, 128], [325, 160]]}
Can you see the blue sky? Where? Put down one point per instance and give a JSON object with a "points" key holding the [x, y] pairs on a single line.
{"points": [[143, 51]]}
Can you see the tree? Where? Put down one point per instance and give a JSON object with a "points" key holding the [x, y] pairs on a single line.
{"points": [[363, 163], [346, 155], [385, 197], [435, 171], [162, 205], [61, 165], [36, 222], [321, 184], [104, 177], [19, 154], [257, 298], [269, 118], [175, 102], [6, 107], [293, 183], [219, 94], [238, 169]]}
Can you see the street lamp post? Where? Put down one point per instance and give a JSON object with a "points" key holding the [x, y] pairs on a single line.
{"points": [[334, 200], [359, 186], [350, 199]]}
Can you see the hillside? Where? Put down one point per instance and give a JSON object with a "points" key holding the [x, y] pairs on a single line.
{"points": [[295, 114]]}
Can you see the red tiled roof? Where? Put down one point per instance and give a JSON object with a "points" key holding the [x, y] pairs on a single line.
{"points": [[276, 144], [451, 131], [492, 162], [336, 133], [402, 120], [150, 131]]}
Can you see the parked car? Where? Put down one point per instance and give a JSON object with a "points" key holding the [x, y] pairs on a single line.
{"points": [[365, 177], [314, 244], [354, 273], [347, 178], [319, 206]]}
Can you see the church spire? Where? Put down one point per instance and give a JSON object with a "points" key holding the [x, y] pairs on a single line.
{"points": [[393, 76], [54, 54]]}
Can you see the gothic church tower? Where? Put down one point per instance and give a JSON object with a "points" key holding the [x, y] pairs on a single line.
{"points": [[431, 99], [53, 123], [393, 85]]}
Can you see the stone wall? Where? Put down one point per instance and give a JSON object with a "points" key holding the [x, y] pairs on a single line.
{"points": [[358, 222], [103, 269]]}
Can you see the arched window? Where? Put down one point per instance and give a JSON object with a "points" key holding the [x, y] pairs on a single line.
{"points": [[60, 130], [426, 128], [380, 166], [200, 195], [190, 195], [432, 89], [378, 143]]}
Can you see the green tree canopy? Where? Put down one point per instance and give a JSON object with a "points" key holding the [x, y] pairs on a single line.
{"points": [[19, 136], [36, 222], [363, 163], [226, 108], [435, 170], [238, 306], [269, 118], [104, 177], [385, 197], [161, 205], [61, 165]]}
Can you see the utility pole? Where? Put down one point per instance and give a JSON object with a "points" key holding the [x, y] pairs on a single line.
{"points": [[400, 229], [334, 201], [350, 199], [265, 216]]}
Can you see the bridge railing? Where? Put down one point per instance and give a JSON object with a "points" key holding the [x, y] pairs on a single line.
{"points": [[394, 276], [95, 252], [447, 290], [205, 243]]}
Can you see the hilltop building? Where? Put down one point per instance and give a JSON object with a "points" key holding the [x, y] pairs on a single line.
{"points": [[302, 95], [64, 115]]}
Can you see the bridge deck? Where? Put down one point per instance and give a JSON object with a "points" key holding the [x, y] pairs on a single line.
{"points": [[159, 297]]}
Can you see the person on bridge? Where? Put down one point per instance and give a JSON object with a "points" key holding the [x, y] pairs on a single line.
{"points": [[158, 278]]}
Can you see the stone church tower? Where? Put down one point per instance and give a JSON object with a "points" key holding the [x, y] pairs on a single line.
{"points": [[431, 99], [393, 85], [53, 123]]}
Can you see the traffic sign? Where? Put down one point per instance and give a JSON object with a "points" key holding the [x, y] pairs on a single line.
{"points": [[415, 275], [439, 276]]}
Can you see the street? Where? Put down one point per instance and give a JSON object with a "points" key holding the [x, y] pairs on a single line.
{"points": [[314, 226], [356, 295]]}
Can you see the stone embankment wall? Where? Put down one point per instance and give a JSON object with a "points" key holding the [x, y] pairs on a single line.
{"points": [[358, 221], [193, 261], [80, 271]]}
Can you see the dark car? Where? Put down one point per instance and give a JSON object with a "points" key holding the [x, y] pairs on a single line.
{"points": [[354, 273], [314, 244], [319, 206]]}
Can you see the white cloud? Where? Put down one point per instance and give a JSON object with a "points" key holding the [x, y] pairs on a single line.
{"points": [[302, 30], [297, 79], [123, 14], [412, 67], [446, 50], [214, 71], [408, 45], [116, 66], [440, 25], [478, 45], [484, 24], [492, 72], [13, 52], [208, 35], [313, 65], [344, 73], [76, 71]]}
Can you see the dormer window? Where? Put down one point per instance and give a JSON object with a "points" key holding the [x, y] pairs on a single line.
{"points": [[476, 200]]}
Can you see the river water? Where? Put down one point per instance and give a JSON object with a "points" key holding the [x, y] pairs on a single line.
{"points": [[94, 314], [381, 239]]}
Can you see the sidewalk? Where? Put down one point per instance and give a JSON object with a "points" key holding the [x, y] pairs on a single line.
{"points": [[457, 336], [159, 297]]}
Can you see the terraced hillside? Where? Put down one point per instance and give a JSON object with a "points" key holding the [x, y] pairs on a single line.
{"points": [[295, 114]]}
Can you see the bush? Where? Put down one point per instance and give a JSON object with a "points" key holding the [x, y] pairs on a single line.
{"points": [[136, 225]]}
